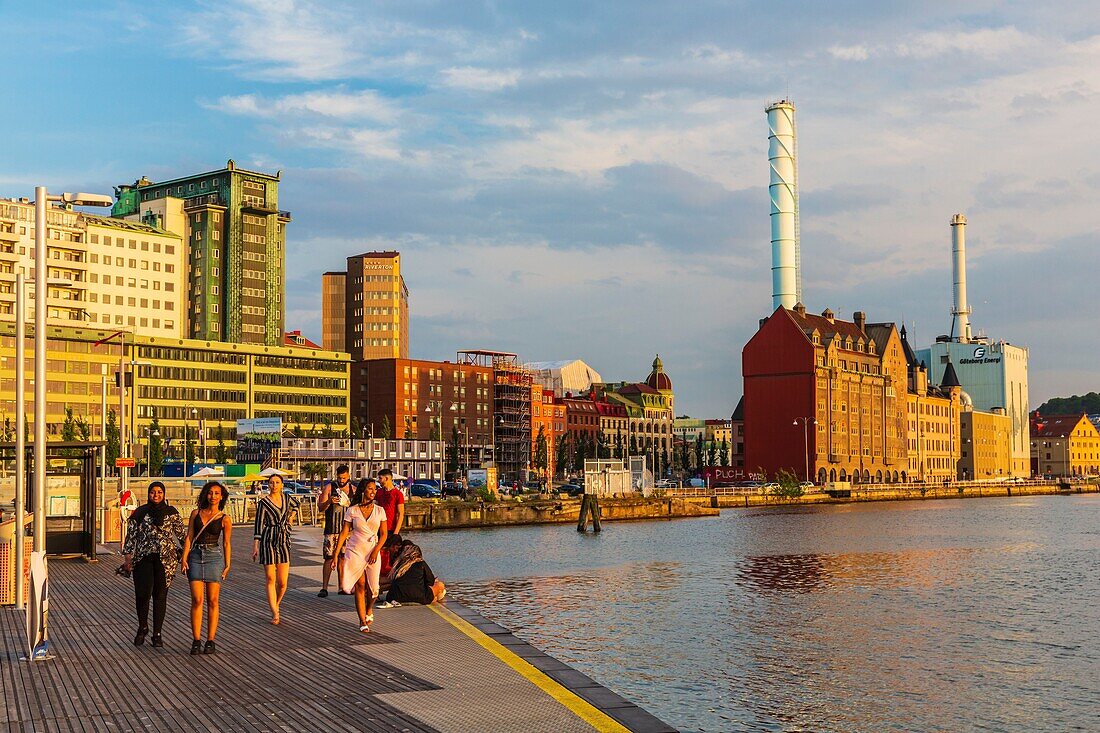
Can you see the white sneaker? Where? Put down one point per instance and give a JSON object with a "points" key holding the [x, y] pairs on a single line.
{"points": [[387, 604]]}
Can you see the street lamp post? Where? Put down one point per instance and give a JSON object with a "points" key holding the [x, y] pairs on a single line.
{"points": [[806, 422], [40, 646], [186, 462]]}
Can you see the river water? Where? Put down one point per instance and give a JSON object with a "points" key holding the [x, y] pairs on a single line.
{"points": [[951, 615]]}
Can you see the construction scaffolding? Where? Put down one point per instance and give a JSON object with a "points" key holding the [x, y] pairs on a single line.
{"points": [[512, 383]]}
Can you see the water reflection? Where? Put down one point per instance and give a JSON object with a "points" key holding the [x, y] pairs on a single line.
{"points": [[923, 616]]}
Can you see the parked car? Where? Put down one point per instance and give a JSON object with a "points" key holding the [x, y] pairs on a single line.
{"points": [[452, 488], [665, 483], [424, 491], [571, 489]]}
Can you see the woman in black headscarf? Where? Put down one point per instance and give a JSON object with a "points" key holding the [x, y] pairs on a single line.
{"points": [[154, 534]]}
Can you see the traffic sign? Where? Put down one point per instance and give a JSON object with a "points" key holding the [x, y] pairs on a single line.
{"points": [[125, 463]]}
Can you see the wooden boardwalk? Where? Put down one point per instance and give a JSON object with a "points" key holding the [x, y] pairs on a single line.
{"points": [[420, 669]]}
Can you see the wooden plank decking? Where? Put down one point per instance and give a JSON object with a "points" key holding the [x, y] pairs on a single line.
{"points": [[313, 672]]}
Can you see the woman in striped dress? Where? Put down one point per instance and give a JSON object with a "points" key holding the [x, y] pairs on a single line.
{"points": [[271, 543]]}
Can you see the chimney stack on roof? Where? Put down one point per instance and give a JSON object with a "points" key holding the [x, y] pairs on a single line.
{"points": [[860, 319]]}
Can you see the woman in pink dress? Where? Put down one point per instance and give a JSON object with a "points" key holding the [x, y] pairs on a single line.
{"points": [[364, 532]]}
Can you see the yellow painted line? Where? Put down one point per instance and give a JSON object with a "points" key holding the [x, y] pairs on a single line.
{"points": [[577, 705]]}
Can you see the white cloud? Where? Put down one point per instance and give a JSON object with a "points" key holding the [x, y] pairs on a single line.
{"points": [[983, 42], [850, 53], [480, 80], [338, 104]]}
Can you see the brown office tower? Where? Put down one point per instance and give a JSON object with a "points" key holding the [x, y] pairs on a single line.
{"points": [[333, 311], [375, 318]]}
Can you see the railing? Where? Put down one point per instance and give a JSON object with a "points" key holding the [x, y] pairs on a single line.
{"points": [[689, 491]]}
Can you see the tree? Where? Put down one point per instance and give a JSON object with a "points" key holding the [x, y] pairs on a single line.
{"points": [[724, 453], [452, 460], [68, 428], [326, 428], [155, 459], [665, 461], [313, 470], [7, 434], [787, 484], [633, 445], [563, 452], [113, 445], [221, 453], [542, 452], [620, 446], [433, 430], [700, 452], [712, 453], [355, 426], [387, 431], [1075, 405], [297, 431]]}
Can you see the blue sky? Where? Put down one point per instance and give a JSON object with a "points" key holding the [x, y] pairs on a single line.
{"points": [[590, 180]]}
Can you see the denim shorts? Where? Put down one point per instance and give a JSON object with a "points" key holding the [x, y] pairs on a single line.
{"points": [[206, 563]]}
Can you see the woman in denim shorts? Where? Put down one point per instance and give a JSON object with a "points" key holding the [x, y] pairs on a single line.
{"points": [[206, 553]]}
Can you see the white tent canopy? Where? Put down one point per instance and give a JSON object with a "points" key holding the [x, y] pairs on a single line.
{"points": [[207, 472]]}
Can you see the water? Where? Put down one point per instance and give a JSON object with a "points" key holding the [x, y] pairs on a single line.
{"points": [[894, 616]]}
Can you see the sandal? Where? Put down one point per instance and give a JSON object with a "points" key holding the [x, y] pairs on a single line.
{"points": [[365, 628]]}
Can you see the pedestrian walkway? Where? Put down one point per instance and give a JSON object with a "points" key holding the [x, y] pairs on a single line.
{"points": [[420, 669]]}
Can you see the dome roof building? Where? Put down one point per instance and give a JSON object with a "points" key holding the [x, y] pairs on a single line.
{"points": [[658, 380]]}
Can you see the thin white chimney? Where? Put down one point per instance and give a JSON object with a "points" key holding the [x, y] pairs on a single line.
{"points": [[960, 311], [783, 187]]}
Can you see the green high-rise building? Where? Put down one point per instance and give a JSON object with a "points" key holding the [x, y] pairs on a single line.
{"points": [[236, 239]]}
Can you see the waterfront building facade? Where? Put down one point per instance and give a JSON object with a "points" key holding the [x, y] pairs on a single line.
{"points": [[995, 375], [414, 459], [847, 378], [235, 237], [426, 400], [933, 415], [688, 429], [105, 273], [543, 416], [1064, 445], [374, 312], [182, 383], [614, 427], [986, 445], [649, 408]]}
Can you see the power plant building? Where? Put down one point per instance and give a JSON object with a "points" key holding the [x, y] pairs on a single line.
{"points": [[993, 373]]}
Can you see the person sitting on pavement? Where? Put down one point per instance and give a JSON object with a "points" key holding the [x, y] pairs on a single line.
{"points": [[411, 580]]}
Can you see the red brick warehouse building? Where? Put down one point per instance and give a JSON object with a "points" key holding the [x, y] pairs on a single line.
{"points": [[847, 379]]}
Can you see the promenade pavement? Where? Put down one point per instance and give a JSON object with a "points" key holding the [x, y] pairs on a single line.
{"points": [[420, 669]]}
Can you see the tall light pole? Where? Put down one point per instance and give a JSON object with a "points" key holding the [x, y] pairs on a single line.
{"points": [[806, 422], [41, 309], [20, 436], [39, 640], [194, 411], [438, 405]]}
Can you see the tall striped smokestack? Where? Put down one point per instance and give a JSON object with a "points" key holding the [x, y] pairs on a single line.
{"points": [[783, 188], [960, 310]]}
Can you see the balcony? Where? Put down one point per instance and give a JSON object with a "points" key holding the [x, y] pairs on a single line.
{"points": [[8, 236], [196, 202]]}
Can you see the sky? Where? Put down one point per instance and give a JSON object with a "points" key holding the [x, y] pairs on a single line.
{"points": [[589, 180]]}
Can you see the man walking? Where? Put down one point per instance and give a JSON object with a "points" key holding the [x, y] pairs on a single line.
{"points": [[334, 499]]}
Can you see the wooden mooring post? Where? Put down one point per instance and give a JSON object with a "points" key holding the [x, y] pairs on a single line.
{"points": [[590, 504]]}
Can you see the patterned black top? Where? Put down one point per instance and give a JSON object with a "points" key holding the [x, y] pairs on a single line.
{"points": [[144, 538], [272, 529]]}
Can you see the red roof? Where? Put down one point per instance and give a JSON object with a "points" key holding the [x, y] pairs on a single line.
{"points": [[295, 338], [808, 322], [1054, 426], [637, 388]]}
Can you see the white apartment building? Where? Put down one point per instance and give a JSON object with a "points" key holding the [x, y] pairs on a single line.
{"points": [[117, 274]]}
